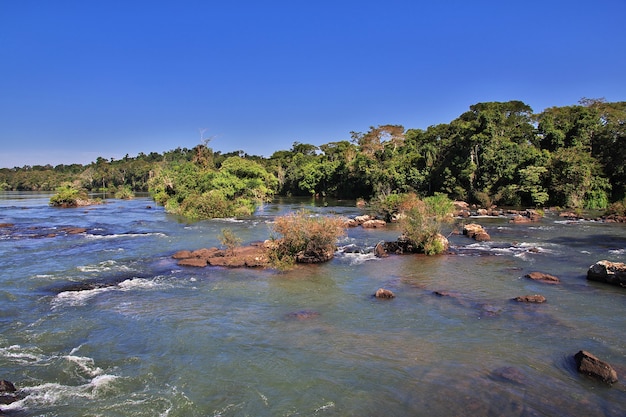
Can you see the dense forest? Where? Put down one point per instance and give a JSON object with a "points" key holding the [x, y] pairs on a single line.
{"points": [[494, 153]]}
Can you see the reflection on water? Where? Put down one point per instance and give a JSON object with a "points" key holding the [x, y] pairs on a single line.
{"points": [[148, 337]]}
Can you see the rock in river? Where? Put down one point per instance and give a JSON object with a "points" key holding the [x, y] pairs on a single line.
{"points": [[543, 277], [590, 365], [609, 272]]}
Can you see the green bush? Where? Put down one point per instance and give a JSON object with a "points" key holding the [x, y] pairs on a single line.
{"points": [[124, 193], [229, 240], [68, 196]]}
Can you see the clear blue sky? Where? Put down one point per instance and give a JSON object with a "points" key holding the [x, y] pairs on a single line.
{"points": [[81, 79]]}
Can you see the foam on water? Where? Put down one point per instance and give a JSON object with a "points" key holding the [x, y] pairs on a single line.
{"points": [[20, 355], [80, 298], [104, 266], [50, 393], [124, 235]]}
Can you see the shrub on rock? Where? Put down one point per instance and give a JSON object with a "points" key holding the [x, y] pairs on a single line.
{"points": [[305, 238]]}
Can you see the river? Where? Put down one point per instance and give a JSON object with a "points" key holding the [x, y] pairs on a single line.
{"points": [[147, 337]]}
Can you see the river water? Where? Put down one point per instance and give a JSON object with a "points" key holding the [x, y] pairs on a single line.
{"points": [[104, 323]]}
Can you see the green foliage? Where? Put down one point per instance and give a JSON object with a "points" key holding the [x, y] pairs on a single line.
{"points": [[494, 153], [195, 191], [302, 233], [124, 193], [68, 196], [229, 240]]}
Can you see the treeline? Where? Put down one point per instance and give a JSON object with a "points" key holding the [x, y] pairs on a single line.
{"points": [[494, 153]]}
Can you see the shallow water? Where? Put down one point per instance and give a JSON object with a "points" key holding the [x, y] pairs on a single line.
{"points": [[150, 338]]}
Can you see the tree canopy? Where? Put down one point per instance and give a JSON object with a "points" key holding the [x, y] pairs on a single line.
{"points": [[494, 153]]}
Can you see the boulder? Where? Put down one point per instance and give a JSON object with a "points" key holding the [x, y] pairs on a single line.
{"points": [[384, 293], [613, 273], [8, 393], [314, 257], [589, 364], [543, 277], [7, 386], [373, 224], [476, 232], [380, 251], [351, 223], [536, 298], [362, 219], [527, 216], [445, 243]]}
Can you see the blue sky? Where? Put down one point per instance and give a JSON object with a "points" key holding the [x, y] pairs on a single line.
{"points": [[81, 79]]}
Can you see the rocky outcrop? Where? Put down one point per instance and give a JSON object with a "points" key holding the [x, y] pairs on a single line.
{"points": [[543, 277], [526, 216], [476, 232], [613, 273], [365, 221], [380, 251], [461, 209], [8, 393], [535, 298], [254, 255], [373, 224], [314, 257], [590, 365], [403, 245], [384, 293]]}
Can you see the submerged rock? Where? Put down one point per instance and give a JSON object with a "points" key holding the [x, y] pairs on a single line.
{"points": [[543, 277], [536, 298], [590, 365], [509, 374], [613, 273], [303, 314]]}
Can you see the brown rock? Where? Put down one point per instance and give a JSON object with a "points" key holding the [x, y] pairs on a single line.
{"points": [[536, 298], [608, 272], [518, 218], [383, 293], [543, 277], [74, 230], [526, 216], [373, 224], [7, 386], [205, 253], [589, 364], [351, 223], [362, 219], [183, 254], [477, 232], [197, 262], [380, 251]]}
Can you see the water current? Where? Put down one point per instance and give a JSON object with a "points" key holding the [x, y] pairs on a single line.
{"points": [[103, 322]]}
